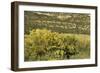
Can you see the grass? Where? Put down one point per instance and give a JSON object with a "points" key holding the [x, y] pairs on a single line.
{"points": [[84, 43]]}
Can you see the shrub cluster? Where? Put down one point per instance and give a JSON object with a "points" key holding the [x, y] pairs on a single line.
{"points": [[43, 44]]}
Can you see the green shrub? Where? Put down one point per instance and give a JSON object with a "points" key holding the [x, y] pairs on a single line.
{"points": [[43, 44]]}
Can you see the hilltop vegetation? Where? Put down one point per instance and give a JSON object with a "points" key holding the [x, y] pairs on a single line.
{"points": [[58, 22]]}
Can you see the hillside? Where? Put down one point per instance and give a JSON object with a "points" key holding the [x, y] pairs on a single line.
{"points": [[58, 22]]}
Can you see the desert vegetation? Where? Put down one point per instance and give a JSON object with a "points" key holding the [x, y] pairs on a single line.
{"points": [[56, 36]]}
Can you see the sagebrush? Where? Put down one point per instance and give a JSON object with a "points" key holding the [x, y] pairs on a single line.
{"points": [[43, 44]]}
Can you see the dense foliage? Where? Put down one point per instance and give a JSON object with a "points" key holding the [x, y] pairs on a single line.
{"points": [[43, 44]]}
